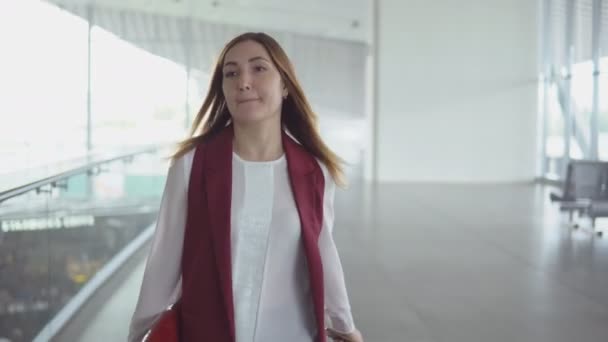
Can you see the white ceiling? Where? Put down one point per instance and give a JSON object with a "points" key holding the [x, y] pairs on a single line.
{"points": [[337, 19]]}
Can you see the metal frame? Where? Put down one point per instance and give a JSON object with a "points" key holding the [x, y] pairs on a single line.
{"points": [[567, 108], [187, 48], [595, 43], [90, 19], [545, 78], [373, 150]]}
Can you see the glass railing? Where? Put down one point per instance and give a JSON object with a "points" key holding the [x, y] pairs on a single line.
{"points": [[58, 235]]}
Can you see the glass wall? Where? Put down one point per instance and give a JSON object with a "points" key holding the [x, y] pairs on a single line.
{"points": [[53, 242], [43, 84], [56, 72], [574, 64], [136, 97]]}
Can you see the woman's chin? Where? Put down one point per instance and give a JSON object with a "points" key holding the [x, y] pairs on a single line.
{"points": [[248, 118]]}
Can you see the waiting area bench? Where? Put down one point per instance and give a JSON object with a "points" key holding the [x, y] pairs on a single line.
{"points": [[585, 190]]}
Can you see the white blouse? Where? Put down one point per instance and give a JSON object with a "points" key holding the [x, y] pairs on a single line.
{"points": [[271, 290]]}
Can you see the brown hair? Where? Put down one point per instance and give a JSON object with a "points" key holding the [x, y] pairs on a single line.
{"points": [[297, 115]]}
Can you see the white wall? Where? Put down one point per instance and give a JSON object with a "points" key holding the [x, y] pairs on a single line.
{"points": [[456, 90]]}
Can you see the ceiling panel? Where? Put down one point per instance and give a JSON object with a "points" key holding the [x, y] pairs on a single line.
{"points": [[338, 19]]}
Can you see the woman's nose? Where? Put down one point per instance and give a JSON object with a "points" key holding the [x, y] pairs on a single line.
{"points": [[244, 82]]}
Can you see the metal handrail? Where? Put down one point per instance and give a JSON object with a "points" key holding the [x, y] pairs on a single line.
{"points": [[53, 179]]}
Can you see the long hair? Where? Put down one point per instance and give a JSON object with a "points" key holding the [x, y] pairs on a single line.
{"points": [[297, 115]]}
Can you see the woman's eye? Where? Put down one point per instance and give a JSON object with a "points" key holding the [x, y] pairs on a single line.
{"points": [[259, 68], [229, 74]]}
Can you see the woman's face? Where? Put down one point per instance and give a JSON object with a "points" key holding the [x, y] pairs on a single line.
{"points": [[251, 84]]}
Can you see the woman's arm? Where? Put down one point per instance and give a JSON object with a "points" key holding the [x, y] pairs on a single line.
{"points": [[337, 304], [161, 284]]}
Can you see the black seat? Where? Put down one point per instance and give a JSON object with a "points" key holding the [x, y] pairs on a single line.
{"points": [[585, 184], [599, 206]]}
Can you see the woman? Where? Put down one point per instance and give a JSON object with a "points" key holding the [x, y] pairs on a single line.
{"points": [[243, 241]]}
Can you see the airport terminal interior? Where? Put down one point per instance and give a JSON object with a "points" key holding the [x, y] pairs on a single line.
{"points": [[473, 135]]}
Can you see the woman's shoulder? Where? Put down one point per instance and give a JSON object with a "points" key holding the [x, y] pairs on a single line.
{"points": [[183, 163], [185, 158], [187, 149]]}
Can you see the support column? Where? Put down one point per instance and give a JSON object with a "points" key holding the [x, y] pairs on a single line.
{"points": [[187, 46], [546, 63], [568, 115], [596, 39], [90, 18]]}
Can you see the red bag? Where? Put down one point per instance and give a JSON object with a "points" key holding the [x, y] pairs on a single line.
{"points": [[166, 329]]}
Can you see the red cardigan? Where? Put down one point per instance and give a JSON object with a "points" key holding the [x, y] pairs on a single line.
{"points": [[206, 309]]}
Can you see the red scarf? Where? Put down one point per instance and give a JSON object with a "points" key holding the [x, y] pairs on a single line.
{"points": [[206, 309]]}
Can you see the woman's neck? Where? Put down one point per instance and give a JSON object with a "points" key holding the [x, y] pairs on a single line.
{"points": [[258, 142]]}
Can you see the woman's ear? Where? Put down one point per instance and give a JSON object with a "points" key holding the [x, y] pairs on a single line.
{"points": [[285, 92]]}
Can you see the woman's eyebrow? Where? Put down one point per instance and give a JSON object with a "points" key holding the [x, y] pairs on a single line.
{"points": [[258, 58], [252, 59]]}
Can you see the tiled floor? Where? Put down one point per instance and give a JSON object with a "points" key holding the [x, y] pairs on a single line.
{"points": [[453, 263]]}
